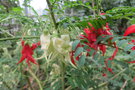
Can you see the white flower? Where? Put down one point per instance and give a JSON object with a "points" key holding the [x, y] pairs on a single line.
{"points": [[62, 45], [45, 41]]}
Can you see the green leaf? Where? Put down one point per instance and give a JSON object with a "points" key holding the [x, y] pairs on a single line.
{"points": [[120, 43], [132, 53], [128, 47], [115, 38], [75, 43], [78, 51], [82, 60]]}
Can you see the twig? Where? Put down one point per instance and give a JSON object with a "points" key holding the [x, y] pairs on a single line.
{"points": [[123, 86]]}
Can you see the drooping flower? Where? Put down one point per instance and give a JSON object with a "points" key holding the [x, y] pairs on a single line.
{"points": [[27, 52]]}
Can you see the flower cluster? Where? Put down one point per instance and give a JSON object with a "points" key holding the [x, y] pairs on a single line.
{"points": [[90, 39], [60, 45]]}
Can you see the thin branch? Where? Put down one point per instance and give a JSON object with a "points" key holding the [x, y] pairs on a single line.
{"points": [[93, 5], [123, 86], [51, 12]]}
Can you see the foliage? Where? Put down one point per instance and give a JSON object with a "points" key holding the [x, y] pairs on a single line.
{"points": [[65, 60]]}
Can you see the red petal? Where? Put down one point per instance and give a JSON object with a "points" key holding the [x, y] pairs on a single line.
{"points": [[131, 62], [104, 74], [102, 13], [133, 41], [129, 30], [30, 58], [102, 48], [114, 53], [110, 70], [22, 59], [22, 43], [35, 45]]}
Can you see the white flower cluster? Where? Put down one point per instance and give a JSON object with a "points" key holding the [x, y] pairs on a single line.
{"points": [[62, 45]]}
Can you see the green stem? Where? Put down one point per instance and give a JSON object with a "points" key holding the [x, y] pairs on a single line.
{"points": [[62, 80], [93, 5], [16, 38], [28, 80], [35, 77], [62, 74], [51, 12]]}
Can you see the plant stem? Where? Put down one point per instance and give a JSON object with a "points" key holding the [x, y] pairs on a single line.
{"points": [[93, 5], [62, 79], [28, 80], [52, 14], [35, 77], [62, 74], [123, 86], [16, 38]]}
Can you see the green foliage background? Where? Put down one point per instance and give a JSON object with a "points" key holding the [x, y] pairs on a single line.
{"points": [[87, 75]]}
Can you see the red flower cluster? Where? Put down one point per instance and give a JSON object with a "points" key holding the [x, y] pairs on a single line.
{"points": [[92, 34], [27, 52]]}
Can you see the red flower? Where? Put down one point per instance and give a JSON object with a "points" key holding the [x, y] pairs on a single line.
{"points": [[129, 30], [92, 34], [27, 52]]}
